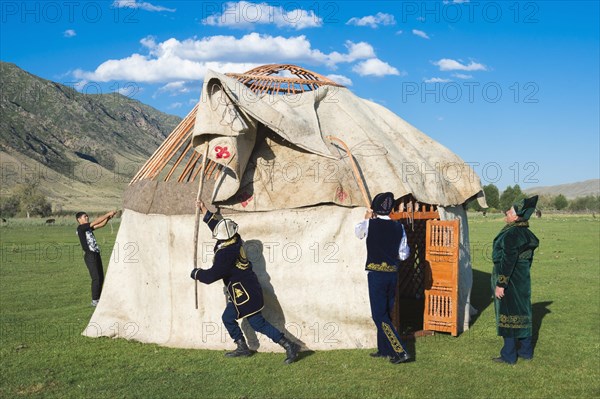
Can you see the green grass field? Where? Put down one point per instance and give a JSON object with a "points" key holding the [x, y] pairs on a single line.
{"points": [[44, 303]]}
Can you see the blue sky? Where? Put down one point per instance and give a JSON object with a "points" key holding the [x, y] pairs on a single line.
{"points": [[511, 87]]}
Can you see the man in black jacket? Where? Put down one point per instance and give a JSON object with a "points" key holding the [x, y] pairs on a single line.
{"points": [[386, 247], [245, 297]]}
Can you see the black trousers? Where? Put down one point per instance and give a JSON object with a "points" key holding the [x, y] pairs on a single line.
{"points": [[382, 295], [93, 261], [257, 322]]}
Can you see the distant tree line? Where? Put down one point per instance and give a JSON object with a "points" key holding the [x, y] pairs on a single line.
{"points": [[500, 202], [25, 199]]}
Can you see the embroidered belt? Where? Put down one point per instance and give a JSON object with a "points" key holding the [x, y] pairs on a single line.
{"points": [[382, 267]]}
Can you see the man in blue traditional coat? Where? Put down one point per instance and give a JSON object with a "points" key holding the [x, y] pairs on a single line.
{"points": [[386, 247], [511, 282], [245, 297]]}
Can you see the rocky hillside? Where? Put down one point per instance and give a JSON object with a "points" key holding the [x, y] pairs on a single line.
{"points": [[570, 190], [79, 146]]}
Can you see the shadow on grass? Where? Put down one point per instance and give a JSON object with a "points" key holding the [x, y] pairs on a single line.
{"points": [[304, 354], [481, 293], [539, 311]]}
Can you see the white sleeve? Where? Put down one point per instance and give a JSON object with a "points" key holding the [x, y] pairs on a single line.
{"points": [[361, 229], [404, 250]]}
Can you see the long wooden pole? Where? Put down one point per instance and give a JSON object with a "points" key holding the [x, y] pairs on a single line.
{"points": [[196, 225], [357, 176]]}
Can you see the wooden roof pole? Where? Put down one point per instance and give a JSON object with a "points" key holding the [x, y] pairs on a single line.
{"points": [[189, 166], [173, 148], [179, 159], [197, 222], [152, 160], [152, 165]]}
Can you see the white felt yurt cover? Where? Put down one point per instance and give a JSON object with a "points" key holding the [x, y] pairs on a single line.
{"points": [[296, 200]]}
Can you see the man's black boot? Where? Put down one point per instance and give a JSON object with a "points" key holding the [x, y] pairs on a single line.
{"points": [[242, 349], [291, 350]]}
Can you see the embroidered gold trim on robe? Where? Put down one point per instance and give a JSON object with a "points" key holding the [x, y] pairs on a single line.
{"points": [[227, 243], [396, 345], [239, 293], [381, 267], [502, 279], [242, 261], [508, 321]]}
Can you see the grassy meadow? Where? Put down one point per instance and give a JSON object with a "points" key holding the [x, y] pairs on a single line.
{"points": [[45, 304]]}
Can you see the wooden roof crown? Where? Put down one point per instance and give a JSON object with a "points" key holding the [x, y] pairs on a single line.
{"points": [[176, 156]]}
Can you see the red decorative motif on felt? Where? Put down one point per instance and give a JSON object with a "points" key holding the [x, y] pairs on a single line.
{"points": [[341, 195], [222, 152]]}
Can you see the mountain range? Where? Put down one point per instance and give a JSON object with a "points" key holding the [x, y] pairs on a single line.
{"points": [[81, 149], [570, 190]]}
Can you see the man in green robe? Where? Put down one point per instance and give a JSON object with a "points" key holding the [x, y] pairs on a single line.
{"points": [[511, 282]]}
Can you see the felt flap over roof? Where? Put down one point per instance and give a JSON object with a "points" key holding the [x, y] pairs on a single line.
{"points": [[278, 152]]}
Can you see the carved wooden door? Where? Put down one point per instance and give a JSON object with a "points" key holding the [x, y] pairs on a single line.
{"points": [[441, 276]]}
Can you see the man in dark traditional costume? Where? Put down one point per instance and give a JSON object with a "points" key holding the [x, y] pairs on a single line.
{"points": [[511, 282], [245, 297], [386, 246]]}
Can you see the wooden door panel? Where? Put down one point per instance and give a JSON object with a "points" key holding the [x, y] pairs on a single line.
{"points": [[441, 285]]}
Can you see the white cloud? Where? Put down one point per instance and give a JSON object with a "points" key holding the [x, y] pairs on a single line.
{"points": [[176, 88], [174, 60], [356, 51], [399, 32], [462, 76], [175, 105], [374, 67], [373, 21], [447, 64], [245, 15], [420, 33], [69, 33], [79, 86], [128, 91], [253, 47], [139, 68], [340, 79], [149, 42], [437, 80], [142, 5], [456, 1]]}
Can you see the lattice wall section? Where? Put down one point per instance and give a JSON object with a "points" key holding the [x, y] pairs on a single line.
{"points": [[411, 276]]}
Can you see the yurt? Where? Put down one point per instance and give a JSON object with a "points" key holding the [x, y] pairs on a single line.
{"points": [[294, 158]]}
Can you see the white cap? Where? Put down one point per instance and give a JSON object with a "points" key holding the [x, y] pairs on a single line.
{"points": [[225, 229]]}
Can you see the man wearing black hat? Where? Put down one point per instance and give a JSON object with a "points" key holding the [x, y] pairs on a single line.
{"points": [[386, 246], [245, 297], [511, 282]]}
